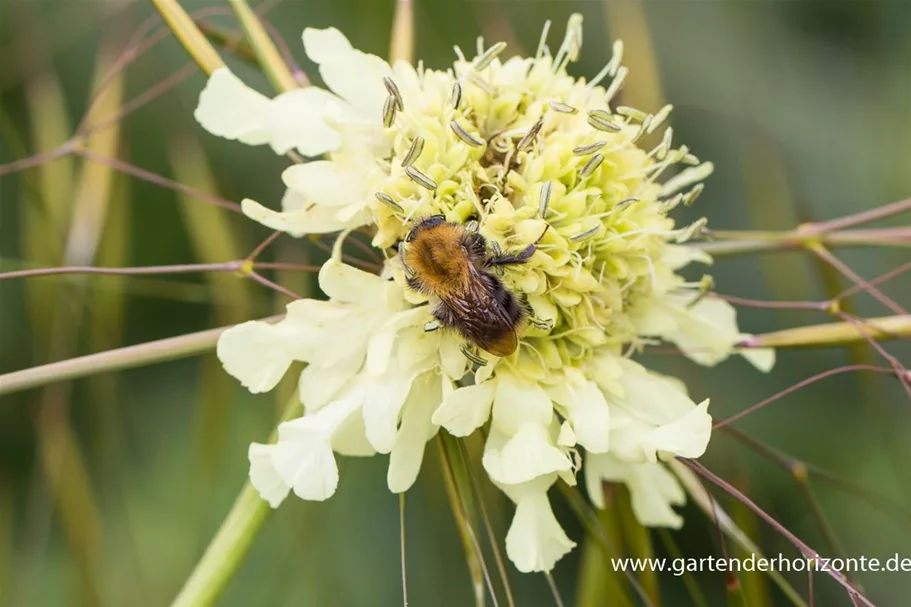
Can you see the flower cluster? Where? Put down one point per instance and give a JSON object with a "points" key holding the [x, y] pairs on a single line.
{"points": [[518, 148]]}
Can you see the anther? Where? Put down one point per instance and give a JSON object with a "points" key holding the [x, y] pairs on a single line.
{"points": [[489, 55], [464, 135], [591, 166], [390, 85], [388, 201], [417, 146], [529, 137], [585, 150], [544, 198], [456, 98], [389, 111], [600, 119], [563, 108], [420, 178], [586, 234], [477, 360]]}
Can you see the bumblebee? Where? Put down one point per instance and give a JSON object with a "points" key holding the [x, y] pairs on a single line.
{"points": [[454, 264]]}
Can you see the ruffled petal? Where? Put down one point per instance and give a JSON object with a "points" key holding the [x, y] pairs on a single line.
{"points": [[296, 119], [518, 402], [327, 182], [535, 540], [348, 284], [653, 489], [590, 418], [314, 219], [465, 409], [263, 475], [355, 76], [258, 354], [229, 108], [416, 429], [528, 454], [319, 384], [383, 404]]}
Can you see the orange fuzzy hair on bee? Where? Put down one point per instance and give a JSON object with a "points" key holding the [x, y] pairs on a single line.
{"points": [[452, 264]]}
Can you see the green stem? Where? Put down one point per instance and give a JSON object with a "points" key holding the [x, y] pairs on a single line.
{"points": [[833, 334], [186, 31], [275, 67], [232, 541], [738, 242]]}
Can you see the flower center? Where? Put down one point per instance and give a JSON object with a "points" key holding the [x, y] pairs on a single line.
{"points": [[522, 148]]}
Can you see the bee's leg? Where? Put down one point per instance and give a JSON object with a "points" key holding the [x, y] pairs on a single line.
{"points": [[498, 259], [506, 260], [475, 359]]}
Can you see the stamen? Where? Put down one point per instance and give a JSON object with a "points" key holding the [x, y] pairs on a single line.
{"points": [[561, 107], [432, 326], [542, 42], [389, 111], [417, 146], [586, 234], [591, 166], [572, 43], [585, 150], [660, 117], [600, 119], [690, 159], [464, 135], [480, 83], [705, 286], [643, 129], [690, 197], [631, 112], [616, 84], [665, 146], [617, 57], [387, 200], [529, 137], [456, 98], [472, 356], [544, 198], [488, 56], [420, 178], [692, 230], [394, 91], [686, 177]]}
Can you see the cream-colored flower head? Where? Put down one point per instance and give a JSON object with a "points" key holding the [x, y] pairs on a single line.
{"points": [[518, 149]]}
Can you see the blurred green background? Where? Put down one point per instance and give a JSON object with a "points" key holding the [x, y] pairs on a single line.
{"points": [[111, 486]]}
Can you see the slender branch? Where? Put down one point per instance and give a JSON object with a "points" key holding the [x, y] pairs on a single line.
{"points": [[798, 386], [802, 547], [858, 218], [129, 271], [148, 353], [161, 181]]}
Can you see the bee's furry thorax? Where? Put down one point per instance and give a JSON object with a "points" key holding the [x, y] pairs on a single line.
{"points": [[451, 263]]}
